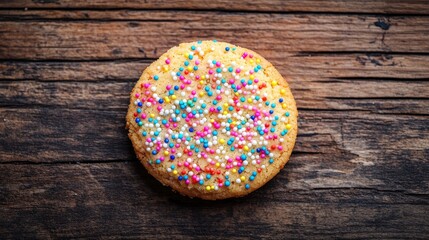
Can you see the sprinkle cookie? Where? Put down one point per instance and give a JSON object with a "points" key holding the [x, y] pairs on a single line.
{"points": [[212, 120]]}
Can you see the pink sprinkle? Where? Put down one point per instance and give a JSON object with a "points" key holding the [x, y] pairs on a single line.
{"points": [[182, 78], [182, 86], [197, 77], [137, 95], [218, 97], [211, 71], [173, 150], [193, 92], [231, 81], [187, 181], [167, 61], [197, 62], [238, 70], [218, 64], [168, 87], [143, 116], [256, 80], [280, 147], [177, 145], [244, 55], [161, 158]]}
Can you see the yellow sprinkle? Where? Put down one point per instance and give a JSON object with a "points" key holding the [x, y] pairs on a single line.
{"points": [[251, 77], [222, 141], [202, 82], [201, 94], [186, 55], [225, 104], [203, 77], [208, 188], [167, 100], [189, 68], [273, 83], [282, 91], [175, 172], [212, 120], [217, 164], [249, 100], [212, 187], [173, 97], [236, 94], [288, 126], [284, 105], [246, 148], [258, 60], [234, 170], [152, 115], [165, 68], [242, 178], [251, 61], [166, 153], [225, 112]]}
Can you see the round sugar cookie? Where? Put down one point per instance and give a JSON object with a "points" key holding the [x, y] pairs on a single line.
{"points": [[212, 120]]}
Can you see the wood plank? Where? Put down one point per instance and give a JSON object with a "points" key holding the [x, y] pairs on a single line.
{"points": [[335, 6], [315, 67], [117, 200], [331, 145], [283, 35], [377, 96]]}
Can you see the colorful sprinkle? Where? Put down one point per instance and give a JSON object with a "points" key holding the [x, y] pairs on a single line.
{"points": [[214, 126]]}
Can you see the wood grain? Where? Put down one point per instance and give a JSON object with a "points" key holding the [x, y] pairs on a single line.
{"points": [[335, 6], [283, 35], [95, 200], [359, 167]]}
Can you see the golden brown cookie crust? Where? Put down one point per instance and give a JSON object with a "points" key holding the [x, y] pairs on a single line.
{"points": [[206, 175]]}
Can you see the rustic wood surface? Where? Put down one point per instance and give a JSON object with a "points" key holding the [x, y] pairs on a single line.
{"points": [[359, 71]]}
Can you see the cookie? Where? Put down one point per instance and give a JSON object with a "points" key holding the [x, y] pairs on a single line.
{"points": [[212, 120]]}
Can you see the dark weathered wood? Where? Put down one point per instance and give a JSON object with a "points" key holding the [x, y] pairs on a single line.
{"points": [[351, 138], [314, 67], [272, 35], [341, 6], [121, 200], [379, 96]]}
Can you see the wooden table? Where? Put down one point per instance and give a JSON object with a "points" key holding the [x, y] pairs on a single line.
{"points": [[359, 72]]}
